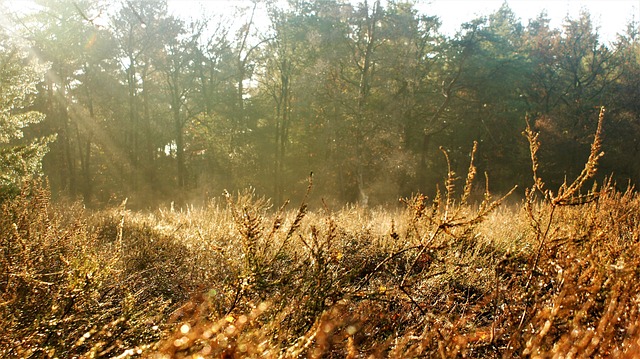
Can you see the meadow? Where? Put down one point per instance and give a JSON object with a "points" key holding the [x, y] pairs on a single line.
{"points": [[554, 275]]}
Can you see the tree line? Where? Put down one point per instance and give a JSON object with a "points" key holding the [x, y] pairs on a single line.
{"points": [[365, 95]]}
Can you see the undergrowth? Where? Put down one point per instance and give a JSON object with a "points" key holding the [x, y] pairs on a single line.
{"points": [[554, 277]]}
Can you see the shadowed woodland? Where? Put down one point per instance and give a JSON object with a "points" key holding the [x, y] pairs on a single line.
{"points": [[227, 186], [156, 109]]}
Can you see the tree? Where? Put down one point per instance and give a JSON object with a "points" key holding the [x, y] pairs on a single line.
{"points": [[365, 40], [574, 74], [493, 104], [418, 92], [302, 91], [622, 140], [210, 133], [20, 158], [138, 30], [287, 53], [176, 63], [361, 93], [77, 91]]}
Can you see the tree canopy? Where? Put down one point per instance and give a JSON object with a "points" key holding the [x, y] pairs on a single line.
{"points": [[363, 94], [20, 155]]}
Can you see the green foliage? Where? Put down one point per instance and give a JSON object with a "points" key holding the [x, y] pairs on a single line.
{"points": [[20, 159], [158, 108]]}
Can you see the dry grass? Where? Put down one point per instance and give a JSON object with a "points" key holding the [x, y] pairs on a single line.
{"points": [[554, 277]]}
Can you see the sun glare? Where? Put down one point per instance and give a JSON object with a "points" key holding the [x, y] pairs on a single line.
{"points": [[609, 16], [21, 6]]}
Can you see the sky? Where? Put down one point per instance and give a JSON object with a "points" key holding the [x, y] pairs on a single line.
{"points": [[610, 15]]}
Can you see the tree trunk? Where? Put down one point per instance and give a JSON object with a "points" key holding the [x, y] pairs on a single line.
{"points": [[179, 147], [131, 137], [364, 86]]}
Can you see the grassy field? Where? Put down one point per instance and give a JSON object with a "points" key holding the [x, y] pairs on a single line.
{"points": [[554, 276]]}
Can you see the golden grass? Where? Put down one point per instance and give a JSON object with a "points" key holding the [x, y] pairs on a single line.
{"points": [[556, 276]]}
